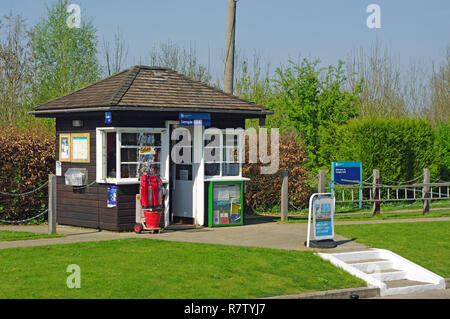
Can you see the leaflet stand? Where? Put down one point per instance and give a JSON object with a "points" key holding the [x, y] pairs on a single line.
{"points": [[321, 206]]}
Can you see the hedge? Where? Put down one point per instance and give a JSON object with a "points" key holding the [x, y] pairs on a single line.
{"points": [[26, 160], [400, 147], [263, 192]]}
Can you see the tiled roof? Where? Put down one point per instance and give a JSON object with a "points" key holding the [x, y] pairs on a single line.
{"points": [[143, 86]]}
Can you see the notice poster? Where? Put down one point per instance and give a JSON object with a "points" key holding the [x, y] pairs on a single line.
{"points": [[224, 218], [80, 147], [58, 168], [323, 216], [64, 147], [235, 213], [112, 196]]}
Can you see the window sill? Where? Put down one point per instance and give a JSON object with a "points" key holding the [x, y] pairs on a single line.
{"points": [[124, 181], [225, 178]]}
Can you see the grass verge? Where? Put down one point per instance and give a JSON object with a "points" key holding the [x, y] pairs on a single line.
{"points": [[426, 244], [7, 235], [149, 268]]}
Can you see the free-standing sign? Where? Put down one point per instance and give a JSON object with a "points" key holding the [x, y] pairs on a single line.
{"points": [[321, 208], [194, 119]]}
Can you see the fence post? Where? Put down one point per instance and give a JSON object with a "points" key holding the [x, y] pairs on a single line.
{"points": [[284, 195], [52, 204], [426, 191], [376, 192], [321, 186]]}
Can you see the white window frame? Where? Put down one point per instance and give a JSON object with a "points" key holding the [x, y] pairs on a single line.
{"points": [[101, 174], [222, 160]]}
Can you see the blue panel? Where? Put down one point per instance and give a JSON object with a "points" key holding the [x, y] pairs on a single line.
{"points": [[108, 117], [344, 172], [193, 119]]}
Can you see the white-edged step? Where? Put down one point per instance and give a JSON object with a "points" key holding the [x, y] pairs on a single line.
{"points": [[381, 268]]}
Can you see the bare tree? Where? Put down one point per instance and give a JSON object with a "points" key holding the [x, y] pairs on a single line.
{"points": [[440, 91], [179, 59], [115, 57], [15, 69], [380, 72]]}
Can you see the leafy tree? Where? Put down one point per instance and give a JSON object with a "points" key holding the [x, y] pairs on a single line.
{"points": [[307, 97], [65, 57]]}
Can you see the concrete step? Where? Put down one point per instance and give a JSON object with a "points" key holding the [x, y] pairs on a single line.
{"points": [[405, 286], [373, 266], [389, 276], [365, 261], [390, 272], [404, 283], [359, 255]]}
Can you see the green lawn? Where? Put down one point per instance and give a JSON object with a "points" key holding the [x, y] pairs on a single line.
{"points": [[427, 244], [148, 268], [6, 235]]}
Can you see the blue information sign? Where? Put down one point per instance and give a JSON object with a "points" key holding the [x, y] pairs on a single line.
{"points": [[194, 119], [108, 117], [347, 173]]}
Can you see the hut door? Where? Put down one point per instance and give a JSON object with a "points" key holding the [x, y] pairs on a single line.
{"points": [[182, 178]]}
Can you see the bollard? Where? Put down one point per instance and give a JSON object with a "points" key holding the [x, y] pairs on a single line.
{"points": [[321, 185], [376, 192], [52, 204], [426, 191], [284, 195]]}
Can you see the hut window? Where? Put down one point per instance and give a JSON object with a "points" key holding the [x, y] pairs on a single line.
{"points": [[123, 155], [224, 154]]}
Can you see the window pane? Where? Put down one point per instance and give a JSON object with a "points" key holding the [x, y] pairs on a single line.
{"points": [[212, 169], [129, 139], [149, 169], [149, 139], [149, 155], [211, 154], [230, 169], [230, 140], [111, 155], [128, 170], [128, 155], [231, 155]]}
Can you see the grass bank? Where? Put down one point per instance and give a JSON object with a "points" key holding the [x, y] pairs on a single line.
{"points": [[148, 268]]}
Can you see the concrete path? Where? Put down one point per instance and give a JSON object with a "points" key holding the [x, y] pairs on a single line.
{"points": [[259, 232], [268, 235]]}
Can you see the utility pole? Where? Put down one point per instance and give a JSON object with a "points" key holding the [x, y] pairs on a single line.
{"points": [[229, 50]]}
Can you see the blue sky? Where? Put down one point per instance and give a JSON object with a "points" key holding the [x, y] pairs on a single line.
{"points": [[415, 30]]}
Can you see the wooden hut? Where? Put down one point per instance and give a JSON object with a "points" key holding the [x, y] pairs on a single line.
{"points": [[100, 129]]}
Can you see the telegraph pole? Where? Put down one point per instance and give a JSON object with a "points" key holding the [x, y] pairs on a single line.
{"points": [[229, 51]]}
